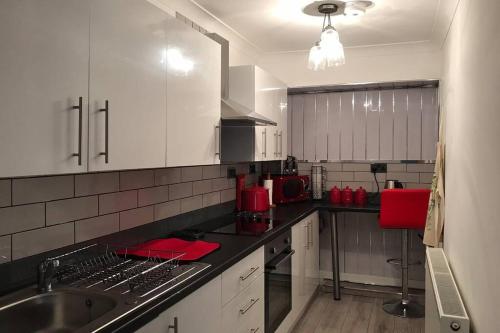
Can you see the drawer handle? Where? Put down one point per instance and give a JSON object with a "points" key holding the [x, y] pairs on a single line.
{"points": [[254, 330], [252, 270], [249, 306]]}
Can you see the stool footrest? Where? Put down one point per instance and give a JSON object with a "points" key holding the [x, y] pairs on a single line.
{"points": [[405, 309], [397, 261]]}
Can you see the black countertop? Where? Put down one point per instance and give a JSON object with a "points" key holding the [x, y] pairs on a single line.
{"points": [[233, 249]]}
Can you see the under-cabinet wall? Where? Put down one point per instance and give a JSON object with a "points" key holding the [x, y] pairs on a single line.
{"points": [[364, 247], [400, 124], [40, 214]]}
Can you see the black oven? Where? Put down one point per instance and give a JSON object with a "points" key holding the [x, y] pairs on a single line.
{"points": [[278, 280]]}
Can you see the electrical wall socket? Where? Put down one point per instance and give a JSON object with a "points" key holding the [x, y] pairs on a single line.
{"points": [[231, 172], [252, 169], [378, 167]]}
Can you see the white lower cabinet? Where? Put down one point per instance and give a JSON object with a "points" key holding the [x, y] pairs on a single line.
{"points": [[245, 312], [305, 268], [206, 311], [198, 312]]}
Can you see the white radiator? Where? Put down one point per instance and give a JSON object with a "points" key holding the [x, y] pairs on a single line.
{"points": [[444, 309]]}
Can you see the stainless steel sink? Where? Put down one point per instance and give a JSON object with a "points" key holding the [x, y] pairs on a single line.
{"points": [[57, 311]]}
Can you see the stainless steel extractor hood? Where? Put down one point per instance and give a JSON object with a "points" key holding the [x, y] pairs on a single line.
{"points": [[232, 110]]}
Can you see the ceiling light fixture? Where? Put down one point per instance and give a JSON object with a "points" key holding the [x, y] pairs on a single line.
{"points": [[353, 9], [329, 51]]}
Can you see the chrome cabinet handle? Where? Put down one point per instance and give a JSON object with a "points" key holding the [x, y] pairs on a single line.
{"points": [[307, 236], [217, 141], [175, 326], [105, 153], [311, 234], [249, 306], [252, 270], [79, 107], [281, 143], [276, 149], [264, 143]]}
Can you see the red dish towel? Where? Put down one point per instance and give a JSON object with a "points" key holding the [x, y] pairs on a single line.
{"points": [[163, 248]]}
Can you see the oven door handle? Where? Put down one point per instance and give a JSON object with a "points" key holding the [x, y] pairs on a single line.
{"points": [[274, 265]]}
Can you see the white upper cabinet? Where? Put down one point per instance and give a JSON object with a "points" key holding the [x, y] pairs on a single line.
{"points": [[43, 72], [193, 96], [259, 91], [127, 95]]}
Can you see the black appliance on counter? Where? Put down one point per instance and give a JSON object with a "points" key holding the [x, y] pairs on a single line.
{"points": [[278, 280], [290, 166], [246, 224]]}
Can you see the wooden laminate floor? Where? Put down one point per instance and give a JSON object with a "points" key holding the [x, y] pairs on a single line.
{"points": [[353, 314]]}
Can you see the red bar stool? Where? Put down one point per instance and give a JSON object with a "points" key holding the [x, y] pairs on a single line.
{"points": [[404, 209]]}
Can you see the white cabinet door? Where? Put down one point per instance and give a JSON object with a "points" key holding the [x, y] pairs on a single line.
{"points": [[299, 292], [199, 312], [43, 71], [127, 73], [312, 254], [193, 97]]}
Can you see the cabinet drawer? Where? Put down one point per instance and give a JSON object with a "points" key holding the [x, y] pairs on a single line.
{"points": [[246, 311], [242, 274]]}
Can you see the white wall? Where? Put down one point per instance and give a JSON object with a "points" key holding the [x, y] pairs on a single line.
{"points": [[364, 64], [241, 52], [470, 99]]}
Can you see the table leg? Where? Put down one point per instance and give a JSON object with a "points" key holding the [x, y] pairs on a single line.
{"points": [[335, 256]]}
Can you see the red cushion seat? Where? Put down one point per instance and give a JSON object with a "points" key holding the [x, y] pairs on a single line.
{"points": [[404, 209]]}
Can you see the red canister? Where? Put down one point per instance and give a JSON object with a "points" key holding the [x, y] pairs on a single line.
{"points": [[335, 196], [347, 196], [360, 196]]}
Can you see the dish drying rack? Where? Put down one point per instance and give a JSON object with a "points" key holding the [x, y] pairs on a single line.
{"points": [[111, 269]]}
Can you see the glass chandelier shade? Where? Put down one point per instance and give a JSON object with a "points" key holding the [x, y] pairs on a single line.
{"points": [[329, 52]]}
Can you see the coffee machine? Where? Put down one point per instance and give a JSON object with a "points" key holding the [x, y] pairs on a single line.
{"points": [[290, 166]]}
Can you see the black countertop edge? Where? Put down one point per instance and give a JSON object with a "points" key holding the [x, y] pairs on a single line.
{"points": [[237, 247]]}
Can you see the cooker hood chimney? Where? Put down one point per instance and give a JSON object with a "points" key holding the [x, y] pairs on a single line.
{"points": [[232, 111]]}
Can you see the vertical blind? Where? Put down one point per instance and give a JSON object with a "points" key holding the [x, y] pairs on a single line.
{"points": [[399, 124]]}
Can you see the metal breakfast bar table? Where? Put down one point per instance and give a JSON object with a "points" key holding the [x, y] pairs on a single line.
{"points": [[334, 210]]}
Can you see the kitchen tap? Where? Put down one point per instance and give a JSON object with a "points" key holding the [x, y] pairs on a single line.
{"points": [[46, 271]]}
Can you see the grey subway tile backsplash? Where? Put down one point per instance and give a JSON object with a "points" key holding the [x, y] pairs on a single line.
{"points": [[40, 189], [131, 180], [136, 217], [342, 176], [189, 174], [167, 176], [191, 203], [40, 214], [5, 192], [426, 178], [355, 166], [97, 183], [40, 240], [167, 209], [332, 166], [115, 202], [21, 218], [210, 199], [420, 167], [202, 186], [211, 171], [219, 184], [368, 177], [227, 195], [68, 210], [153, 195], [393, 167], [179, 191], [96, 227], [404, 177], [5, 248]]}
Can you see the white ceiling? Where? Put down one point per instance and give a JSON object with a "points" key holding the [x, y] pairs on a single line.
{"points": [[280, 25]]}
